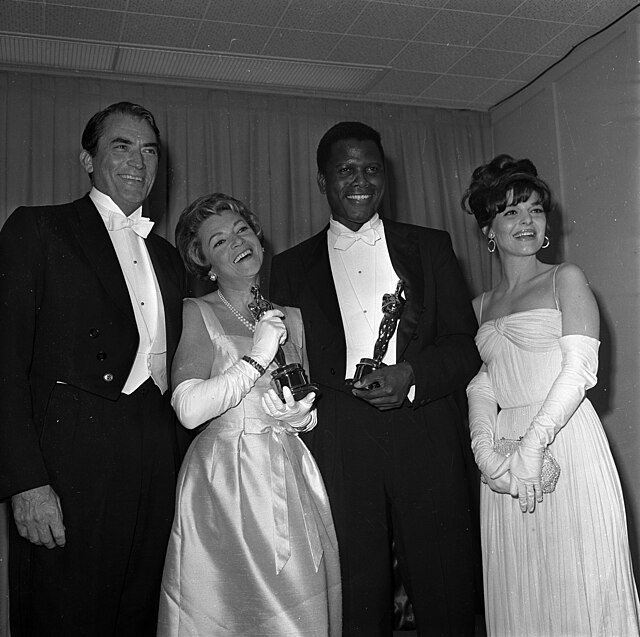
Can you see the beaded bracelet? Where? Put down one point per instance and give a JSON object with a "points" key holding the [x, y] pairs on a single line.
{"points": [[254, 364]]}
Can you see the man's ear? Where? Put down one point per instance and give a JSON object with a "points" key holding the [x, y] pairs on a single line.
{"points": [[322, 183], [87, 161]]}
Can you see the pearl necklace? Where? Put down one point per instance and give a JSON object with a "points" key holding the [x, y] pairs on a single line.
{"points": [[250, 326]]}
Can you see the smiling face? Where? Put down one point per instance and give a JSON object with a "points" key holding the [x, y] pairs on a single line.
{"points": [[519, 229], [126, 161], [231, 247], [353, 181]]}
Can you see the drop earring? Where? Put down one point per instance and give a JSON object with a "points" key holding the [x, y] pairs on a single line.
{"points": [[212, 276], [491, 244]]}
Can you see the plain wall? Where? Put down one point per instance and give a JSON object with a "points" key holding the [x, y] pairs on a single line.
{"points": [[580, 124]]}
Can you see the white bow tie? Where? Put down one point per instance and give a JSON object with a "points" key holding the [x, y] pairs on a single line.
{"points": [[346, 239], [140, 225]]}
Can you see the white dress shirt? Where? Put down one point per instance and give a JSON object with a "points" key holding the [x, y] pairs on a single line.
{"points": [[146, 298], [362, 274]]}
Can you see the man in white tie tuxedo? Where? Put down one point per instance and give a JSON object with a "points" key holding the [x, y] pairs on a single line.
{"points": [[89, 450], [390, 446]]}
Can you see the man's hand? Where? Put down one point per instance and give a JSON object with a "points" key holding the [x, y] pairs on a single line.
{"points": [[390, 386], [38, 516]]}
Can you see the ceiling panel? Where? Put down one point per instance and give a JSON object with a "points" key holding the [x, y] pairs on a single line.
{"points": [[458, 27], [192, 9], [467, 54], [364, 50], [385, 20], [82, 24]]}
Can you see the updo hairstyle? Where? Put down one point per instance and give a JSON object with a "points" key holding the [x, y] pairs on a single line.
{"points": [[493, 183]]}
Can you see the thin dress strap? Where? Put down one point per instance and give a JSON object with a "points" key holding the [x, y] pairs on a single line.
{"points": [[555, 295], [481, 304]]}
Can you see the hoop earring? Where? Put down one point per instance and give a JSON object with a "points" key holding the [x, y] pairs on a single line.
{"points": [[491, 245], [546, 243], [212, 276]]}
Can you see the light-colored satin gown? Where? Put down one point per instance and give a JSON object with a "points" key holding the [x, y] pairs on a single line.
{"points": [[253, 549], [564, 570]]}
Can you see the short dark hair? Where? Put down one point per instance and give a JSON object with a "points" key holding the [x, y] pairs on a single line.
{"points": [[502, 181], [95, 126], [191, 218], [341, 131]]}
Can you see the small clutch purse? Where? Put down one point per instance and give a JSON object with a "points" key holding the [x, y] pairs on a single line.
{"points": [[550, 466]]}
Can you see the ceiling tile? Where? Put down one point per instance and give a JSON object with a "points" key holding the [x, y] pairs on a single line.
{"points": [[435, 102], [386, 20], [499, 7], [532, 67], [457, 88], [160, 31], [565, 41], [258, 12], [436, 4], [333, 16], [607, 11], [458, 27], [179, 8], [519, 34], [434, 58], [361, 50], [22, 17], [83, 24], [231, 38], [490, 64], [306, 45], [500, 91], [404, 82], [554, 11], [113, 5]]}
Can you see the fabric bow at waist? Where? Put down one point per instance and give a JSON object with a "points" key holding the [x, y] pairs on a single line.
{"points": [[307, 477]]}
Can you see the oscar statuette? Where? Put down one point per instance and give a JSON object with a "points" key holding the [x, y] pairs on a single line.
{"points": [[392, 306], [291, 375]]}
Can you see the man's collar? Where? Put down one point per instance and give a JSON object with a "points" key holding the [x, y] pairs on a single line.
{"points": [[104, 202], [336, 227]]}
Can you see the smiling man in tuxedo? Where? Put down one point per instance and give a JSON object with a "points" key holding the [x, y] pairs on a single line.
{"points": [[89, 321], [390, 446]]}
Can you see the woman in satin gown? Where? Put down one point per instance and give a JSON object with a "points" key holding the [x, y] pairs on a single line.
{"points": [[555, 563], [253, 549]]}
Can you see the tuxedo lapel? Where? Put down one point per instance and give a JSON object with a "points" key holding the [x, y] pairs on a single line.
{"points": [[321, 279], [404, 251], [93, 238], [169, 290]]}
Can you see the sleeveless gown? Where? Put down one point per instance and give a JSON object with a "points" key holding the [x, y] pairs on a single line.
{"points": [[564, 570], [253, 549]]}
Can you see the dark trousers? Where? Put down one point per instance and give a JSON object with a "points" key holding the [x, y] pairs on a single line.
{"points": [[113, 465], [398, 475]]}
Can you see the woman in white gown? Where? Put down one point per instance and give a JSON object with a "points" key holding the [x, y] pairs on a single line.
{"points": [[253, 549], [556, 563]]}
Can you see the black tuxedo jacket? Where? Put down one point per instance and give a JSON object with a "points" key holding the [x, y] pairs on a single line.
{"points": [[437, 327], [66, 316]]}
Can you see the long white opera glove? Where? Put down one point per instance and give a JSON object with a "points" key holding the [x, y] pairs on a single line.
{"points": [[577, 374], [270, 333], [298, 415], [483, 411], [196, 400]]}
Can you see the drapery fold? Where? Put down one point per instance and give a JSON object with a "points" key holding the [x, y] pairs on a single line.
{"points": [[256, 147]]}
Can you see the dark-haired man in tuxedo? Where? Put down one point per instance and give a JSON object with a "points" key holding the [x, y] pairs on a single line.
{"points": [[89, 320], [390, 446]]}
